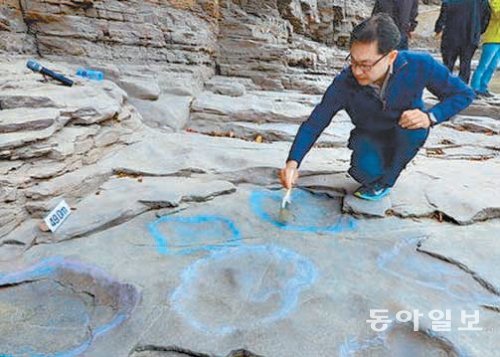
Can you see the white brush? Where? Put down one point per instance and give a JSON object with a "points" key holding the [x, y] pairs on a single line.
{"points": [[287, 199]]}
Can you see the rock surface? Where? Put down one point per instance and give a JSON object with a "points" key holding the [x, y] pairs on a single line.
{"points": [[176, 244]]}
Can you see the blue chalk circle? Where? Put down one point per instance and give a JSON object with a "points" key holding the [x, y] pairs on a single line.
{"points": [[242, 288], [308, 212], [185, 235], [58, 308]]}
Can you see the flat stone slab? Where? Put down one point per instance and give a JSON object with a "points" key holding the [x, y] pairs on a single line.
{"points": [[194, 222], [400, 338], [167, 112], [463, 153], [120, 199], [8, 166], [475, 124], [207, 295], [70, 184], [23, 119], [336, 134], [11, 217], [86, 102], [14, 140], [194, 153], [403, 262], [473, 198], [141, 87], [444, 136], [409, 198], [426, 187], [481, 245], [353, 204], [274, 107], [227, 86], [59, 306], [479, 107]]}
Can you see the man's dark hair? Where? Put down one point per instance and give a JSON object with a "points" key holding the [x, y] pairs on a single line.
{"points": [[380, 28]]}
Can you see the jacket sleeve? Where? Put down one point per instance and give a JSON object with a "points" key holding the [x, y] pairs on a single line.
{"points": [[442, 18], [453, 94], [309, 131]]}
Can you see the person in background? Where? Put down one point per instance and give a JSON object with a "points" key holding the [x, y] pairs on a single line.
{"points": [[490, 55], [404, 13], [460, 25], [381, 90]]}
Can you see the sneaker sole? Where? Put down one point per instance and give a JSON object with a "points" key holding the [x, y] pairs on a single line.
{"points": [[372, 198]]}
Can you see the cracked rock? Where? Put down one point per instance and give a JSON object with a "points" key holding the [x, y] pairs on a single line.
{"points": [[121, 199], [475, 124], [95, 304], [352, 204]]}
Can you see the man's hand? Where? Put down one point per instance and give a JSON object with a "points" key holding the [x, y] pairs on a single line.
{"points": [[289, 174], [414, 119], [438, 35]]}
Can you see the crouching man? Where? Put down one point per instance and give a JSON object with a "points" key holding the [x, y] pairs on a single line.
{"points": [[381, 90]]}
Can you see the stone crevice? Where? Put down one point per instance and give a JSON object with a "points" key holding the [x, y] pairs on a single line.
{"points": [[40, 238], [24, 282], [189, 199], [187, 172], [67, 286], [12, 242], [482, 281], [137, 350], [151, 141], [492, 308], [154, 348], [147, 207]]}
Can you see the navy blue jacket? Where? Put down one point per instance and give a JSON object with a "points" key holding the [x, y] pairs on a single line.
{"points": [[412, 72]]}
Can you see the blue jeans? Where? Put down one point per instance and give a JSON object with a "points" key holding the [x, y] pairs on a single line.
{"points": [[379, 158], [490, 57]]}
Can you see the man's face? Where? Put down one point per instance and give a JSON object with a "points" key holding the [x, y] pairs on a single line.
{"points": [[367, 64]]}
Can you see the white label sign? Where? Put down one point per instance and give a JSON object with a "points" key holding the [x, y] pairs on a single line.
{"points": [[57, 216]]}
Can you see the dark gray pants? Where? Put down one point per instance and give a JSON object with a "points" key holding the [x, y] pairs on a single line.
{"points": [[464, 53]]}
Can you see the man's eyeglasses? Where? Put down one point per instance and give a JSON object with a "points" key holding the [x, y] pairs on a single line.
{"points": [[363, 67]]}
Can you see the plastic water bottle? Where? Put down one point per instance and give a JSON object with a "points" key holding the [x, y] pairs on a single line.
{"points": [[90, 74]]}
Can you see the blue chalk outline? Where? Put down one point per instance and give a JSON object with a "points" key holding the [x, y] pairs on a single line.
{"points": [[162, 241], [304, 278], [256, 198], [48, 267]]}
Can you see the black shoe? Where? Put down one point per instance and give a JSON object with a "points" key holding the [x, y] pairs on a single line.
{"points": [[485, 94]]}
